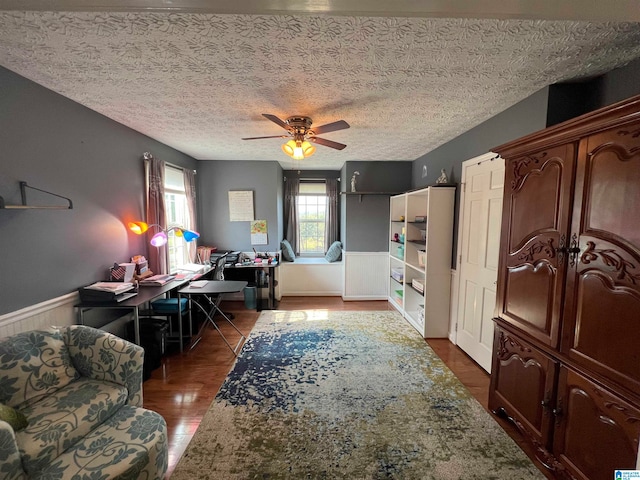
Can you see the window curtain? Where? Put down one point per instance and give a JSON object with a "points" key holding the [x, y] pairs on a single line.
{"points": [[156, 211], [291, 190], [190, 192], [331, 228]]}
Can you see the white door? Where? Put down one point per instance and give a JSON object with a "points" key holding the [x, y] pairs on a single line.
{"points": [[479, 242]]}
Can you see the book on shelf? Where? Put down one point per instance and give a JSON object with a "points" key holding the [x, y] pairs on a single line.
{"points": [[157, 280]]}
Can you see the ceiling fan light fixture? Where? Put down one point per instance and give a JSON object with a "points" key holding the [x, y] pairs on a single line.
{"points": [[298, 150]]}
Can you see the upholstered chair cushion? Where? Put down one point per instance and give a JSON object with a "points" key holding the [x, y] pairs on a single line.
{"points": [[33, 365], [102, 356], [63, 418], [131, 444]]}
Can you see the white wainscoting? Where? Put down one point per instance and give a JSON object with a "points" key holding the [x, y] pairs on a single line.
{"points": [[311, 277], [57, 311], [366, 275]]}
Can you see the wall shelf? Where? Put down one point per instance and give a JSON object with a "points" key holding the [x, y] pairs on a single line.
{"points": [[24, 206], [360, 194]]}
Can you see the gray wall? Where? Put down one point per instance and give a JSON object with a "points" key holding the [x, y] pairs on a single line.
{"points": [[214, 181], [365, 220], [620, 83], [525, 117], [57, 145], [542, 109]]}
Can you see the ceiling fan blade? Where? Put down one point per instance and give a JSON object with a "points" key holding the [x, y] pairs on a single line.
{"points": [[330, 127], [327, 143], [276, 120], [270, 136]]}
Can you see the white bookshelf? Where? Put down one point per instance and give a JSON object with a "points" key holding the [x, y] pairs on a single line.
{"points": [[424, 255]]}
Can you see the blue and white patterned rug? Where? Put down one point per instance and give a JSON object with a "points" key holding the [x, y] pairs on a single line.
{"points": [[353, 395]]}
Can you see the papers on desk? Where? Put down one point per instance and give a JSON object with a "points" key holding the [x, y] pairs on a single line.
{"points": [[157, 280], [113, 287], [198, 283], [107, 292], [193, 267]]}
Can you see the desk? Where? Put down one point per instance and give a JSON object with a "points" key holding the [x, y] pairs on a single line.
{"points": [[145, 294], [213, 291], [257, 268]]}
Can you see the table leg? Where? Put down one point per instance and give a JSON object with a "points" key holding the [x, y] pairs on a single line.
{"points": [[272, 291], [180, 320], [136, 325], [215, 307]]}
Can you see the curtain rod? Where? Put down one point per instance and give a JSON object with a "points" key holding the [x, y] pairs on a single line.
{"points": [[149, 156]]}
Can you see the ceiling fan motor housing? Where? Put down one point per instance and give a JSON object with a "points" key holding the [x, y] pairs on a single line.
{"points": [[300, 125]]}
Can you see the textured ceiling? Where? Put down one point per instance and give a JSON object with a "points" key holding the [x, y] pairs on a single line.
{"points": [[199, 82]]}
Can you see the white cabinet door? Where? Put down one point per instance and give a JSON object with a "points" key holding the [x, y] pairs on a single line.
{"points": [[481, 218]]}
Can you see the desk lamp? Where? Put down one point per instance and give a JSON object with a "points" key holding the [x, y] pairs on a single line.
{"points": [[160, 238]]}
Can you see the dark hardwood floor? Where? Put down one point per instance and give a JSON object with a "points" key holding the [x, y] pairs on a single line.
{"points": [[182, 389]]}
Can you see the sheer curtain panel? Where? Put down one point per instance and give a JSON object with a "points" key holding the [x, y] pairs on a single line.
{"points": [[291, 190], [156, 211]]}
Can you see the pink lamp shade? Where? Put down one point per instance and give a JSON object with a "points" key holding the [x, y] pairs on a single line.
{"points": [[159, 239]]}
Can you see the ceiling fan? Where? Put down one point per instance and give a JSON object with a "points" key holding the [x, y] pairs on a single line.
{"points": [[301, 133]]}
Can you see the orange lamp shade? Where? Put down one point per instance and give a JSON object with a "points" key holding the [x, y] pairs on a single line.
{"points": [[138, 227]]}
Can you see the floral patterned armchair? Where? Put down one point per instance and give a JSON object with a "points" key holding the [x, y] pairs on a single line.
{"points": [[71, 398]]}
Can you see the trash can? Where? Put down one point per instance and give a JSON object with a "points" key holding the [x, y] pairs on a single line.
{"points": [[251, 297]]}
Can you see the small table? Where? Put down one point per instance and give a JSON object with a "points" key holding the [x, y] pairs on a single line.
{"points": [[212, 292]]}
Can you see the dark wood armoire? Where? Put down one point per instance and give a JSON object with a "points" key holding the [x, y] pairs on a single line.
{"points": [[566, 364]]}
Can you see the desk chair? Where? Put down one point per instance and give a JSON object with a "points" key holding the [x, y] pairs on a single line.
{"points": [[218, 274]]}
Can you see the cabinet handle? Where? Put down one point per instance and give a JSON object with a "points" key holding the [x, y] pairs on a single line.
{"points": [[573, 250], [558, 412]]}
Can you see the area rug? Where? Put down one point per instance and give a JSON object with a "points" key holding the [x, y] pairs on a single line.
{"points": [[350, 395]]}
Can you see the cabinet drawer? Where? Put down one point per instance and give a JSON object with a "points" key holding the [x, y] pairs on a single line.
{"points": [[596, 431], [522, 385]]}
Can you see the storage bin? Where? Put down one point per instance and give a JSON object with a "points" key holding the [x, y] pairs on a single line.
{"points": [[422, 255], [168, 305], [397, 274]]}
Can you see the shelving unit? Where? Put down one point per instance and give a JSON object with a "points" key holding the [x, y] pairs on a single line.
{"points": [[420, 246]]}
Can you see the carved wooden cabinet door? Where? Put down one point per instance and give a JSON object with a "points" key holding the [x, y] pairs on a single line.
{"points": [[602, 308], [537, 203], [523, 387], [596, 432]]}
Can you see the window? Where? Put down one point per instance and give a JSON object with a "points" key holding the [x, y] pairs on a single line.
{"points": [[177, 215], [312, 215]]}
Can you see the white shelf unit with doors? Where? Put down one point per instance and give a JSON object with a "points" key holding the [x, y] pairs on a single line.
{"points": [[420, 250]]}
